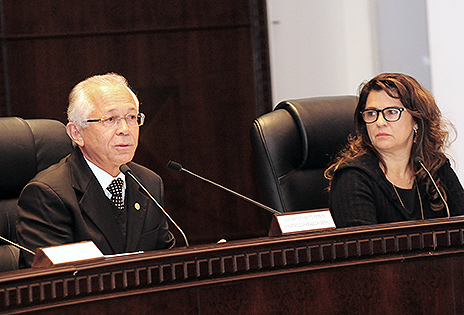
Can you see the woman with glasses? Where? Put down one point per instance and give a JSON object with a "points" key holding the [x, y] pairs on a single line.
{"points": [[381, 175]]}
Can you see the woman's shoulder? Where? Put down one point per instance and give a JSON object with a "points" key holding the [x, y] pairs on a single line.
{"points": [[363, 162], [363, 167], [446, 170]]}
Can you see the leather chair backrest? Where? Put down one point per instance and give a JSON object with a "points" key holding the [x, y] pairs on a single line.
{"points": [[27, 147], [294, 144]]}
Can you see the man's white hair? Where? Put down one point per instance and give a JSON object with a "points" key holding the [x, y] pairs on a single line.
{"points": [[80, 100]]}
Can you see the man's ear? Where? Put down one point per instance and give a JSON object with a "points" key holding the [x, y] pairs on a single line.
{"points": [[74, 132]]}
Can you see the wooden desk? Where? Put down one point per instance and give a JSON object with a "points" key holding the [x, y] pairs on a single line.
{"points": [[403, 268]]}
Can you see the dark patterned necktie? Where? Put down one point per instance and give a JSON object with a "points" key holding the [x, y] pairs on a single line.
{"points": [[115, 188]]}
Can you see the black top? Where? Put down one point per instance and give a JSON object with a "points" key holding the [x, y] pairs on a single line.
{"points": [[410, 199], [361, 194]]}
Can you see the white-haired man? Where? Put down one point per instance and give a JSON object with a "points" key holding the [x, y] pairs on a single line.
{"points": [[85, 196]]}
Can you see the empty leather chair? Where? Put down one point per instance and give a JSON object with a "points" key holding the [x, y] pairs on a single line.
{"points": [[294, 144], [27, 147]]}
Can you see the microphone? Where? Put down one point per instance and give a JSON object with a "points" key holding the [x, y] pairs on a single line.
{"points": [[127, 171], [17, 245], [419, 162], [177, 167]]}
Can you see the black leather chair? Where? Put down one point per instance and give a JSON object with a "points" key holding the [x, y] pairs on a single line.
{"points": [[294, 144], [27, 147]]}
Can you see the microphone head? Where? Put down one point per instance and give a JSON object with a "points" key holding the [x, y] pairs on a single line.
{"points": [[124, 168], [174, 166], [418, 160]]}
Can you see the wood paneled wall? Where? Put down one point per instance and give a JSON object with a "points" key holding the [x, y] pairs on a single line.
{"points": [[200, 69]]}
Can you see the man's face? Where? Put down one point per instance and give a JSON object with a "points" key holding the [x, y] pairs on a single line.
{"points": [[110, 147]]}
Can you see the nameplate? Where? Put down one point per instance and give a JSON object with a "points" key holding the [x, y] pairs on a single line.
{"points": [[301, 222], [66, 254]]}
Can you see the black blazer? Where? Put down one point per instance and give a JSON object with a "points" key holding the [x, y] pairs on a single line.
{"points": [[361, 194], [65, 203]]}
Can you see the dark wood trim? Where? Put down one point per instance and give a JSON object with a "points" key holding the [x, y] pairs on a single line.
{"points": [[211, 264], [260, 42], [122, 32]]}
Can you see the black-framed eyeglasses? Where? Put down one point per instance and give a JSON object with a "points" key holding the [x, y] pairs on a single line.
{"points": [[390, 114], [111, 121]]}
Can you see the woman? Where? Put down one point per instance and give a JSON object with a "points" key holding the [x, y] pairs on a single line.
{"points": [[375, 178]]}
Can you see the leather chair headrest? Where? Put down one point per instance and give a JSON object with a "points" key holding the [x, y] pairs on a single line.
{"points": [[27, 147], [323, 125]]}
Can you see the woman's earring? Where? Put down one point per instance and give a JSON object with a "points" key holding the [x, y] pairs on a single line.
{"points": [[415, 135]]}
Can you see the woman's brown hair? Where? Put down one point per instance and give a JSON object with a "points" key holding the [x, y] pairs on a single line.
{"points": [[431, 137]]}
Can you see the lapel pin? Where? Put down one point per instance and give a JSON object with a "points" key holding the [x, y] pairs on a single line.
{"points": [[137, 206]]}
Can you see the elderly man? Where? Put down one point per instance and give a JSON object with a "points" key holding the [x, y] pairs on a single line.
{"points": [[85, 196]]}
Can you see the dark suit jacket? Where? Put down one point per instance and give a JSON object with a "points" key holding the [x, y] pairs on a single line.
{"points": [[65, 203]]}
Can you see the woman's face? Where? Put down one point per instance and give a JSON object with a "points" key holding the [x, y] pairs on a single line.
{"points": [[390, 138]]}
